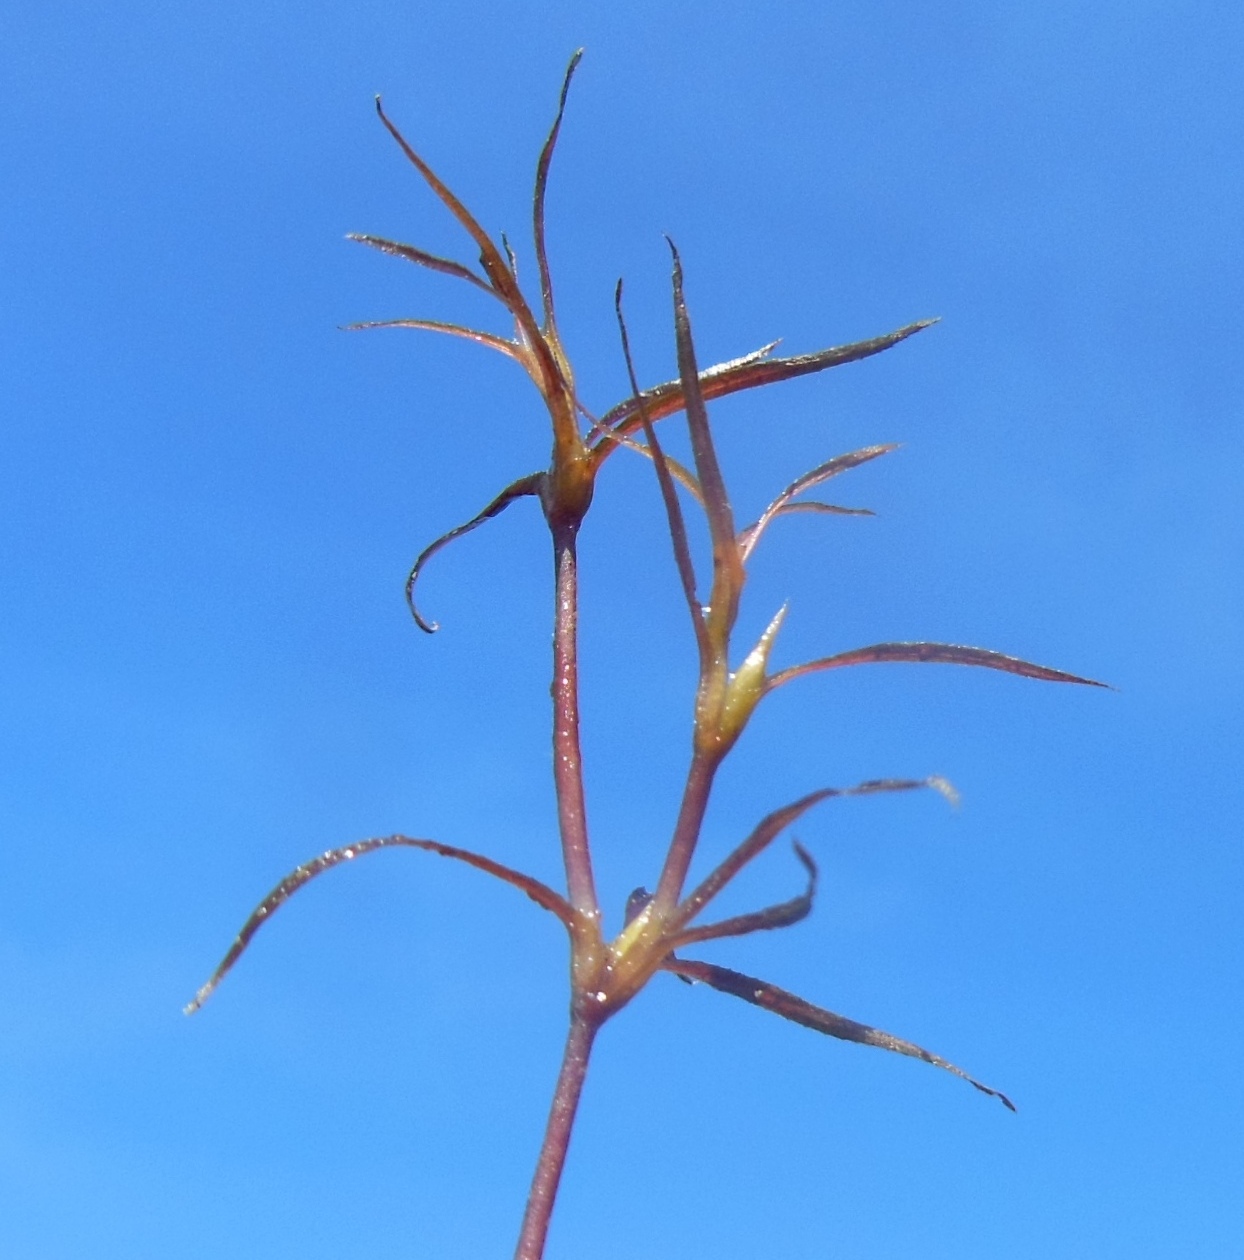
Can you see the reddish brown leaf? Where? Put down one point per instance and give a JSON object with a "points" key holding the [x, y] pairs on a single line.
{"points": [[770, 998], [750, 372], [509, 348], [669, 496], [727, 567], [679, 472], [490, 257], [422, 258], [821, 473], [540, 893], [769, 828], [532, 484], [542, 176], [813, 506], [499, 275], [931, 653], [784, 914]]}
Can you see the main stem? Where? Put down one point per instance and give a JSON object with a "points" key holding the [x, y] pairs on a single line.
{"points": [[572, 823], [556, 1140], [567, 756]]}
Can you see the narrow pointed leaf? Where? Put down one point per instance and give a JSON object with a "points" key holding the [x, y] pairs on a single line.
{"points": [[542, 178], [932, 653], [753, 371], [509, 348], [540, 893], [490, 256], [708, 470], [815, 505], [747, 541], [784, 914], [679, 472], [821, 473], [532, 484], [727, 567], [509, 257], [422, 258], [669, 495], [494, 266], [771, 370], [771, 998], [770, 827], [615, 420]]}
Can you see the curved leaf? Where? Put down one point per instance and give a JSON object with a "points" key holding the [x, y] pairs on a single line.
{"points": [[772, 825], [542, 176], [784, 914], [532, 484], [815, 506], [821, 473], [540, 893]]}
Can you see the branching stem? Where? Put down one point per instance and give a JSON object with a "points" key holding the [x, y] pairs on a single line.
{"points": [[687, 829]]}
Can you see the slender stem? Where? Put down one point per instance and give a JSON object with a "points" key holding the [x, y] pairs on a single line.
{"points": [[556, 1140], [567, 757], [687, 829]]}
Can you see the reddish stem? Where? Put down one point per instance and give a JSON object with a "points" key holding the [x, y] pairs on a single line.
{"points": [[567, 757], [686, 830], [556, 1140]]}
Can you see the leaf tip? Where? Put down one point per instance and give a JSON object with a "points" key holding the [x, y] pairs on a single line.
{"points": [[196, 1003], [809, 863], [943, 787], [677, 257]]}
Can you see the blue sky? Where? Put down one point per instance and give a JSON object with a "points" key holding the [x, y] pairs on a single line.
{"points": [[211, 495]]}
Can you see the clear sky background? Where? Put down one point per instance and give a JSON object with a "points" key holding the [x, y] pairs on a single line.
{"points": [[210, 497]]}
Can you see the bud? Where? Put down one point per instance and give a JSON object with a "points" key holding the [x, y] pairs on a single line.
{"points": [[748, 684]]}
